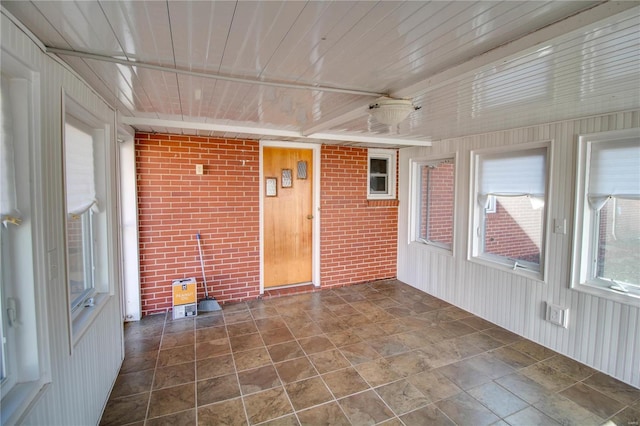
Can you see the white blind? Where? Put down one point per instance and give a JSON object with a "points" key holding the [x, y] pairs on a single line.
{"points": [[79, 173], [614, 170], [513, 173], [8, 203]]}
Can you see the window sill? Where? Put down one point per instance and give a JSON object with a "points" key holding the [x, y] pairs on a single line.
{"points": [[432, 247], [527, 273], [18, 400], [632, 299], [86, 316], [383, 203]]}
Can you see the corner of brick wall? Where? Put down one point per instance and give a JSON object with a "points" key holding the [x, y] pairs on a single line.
{"points": [[359, 238], [174, 204]]}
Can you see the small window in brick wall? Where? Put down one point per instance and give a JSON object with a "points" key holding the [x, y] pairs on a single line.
{"points": [[381, 174]]}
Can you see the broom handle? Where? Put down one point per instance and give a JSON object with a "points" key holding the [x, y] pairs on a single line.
{"points": [[204, 278]]}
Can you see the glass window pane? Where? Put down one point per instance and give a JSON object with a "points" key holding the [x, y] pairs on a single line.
{"points": [[378, 165], [618, 244], [378, 184], [80, 256], [514, 231], [436, 204]]}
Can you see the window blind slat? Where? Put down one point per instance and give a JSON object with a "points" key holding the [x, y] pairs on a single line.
{"points": [[79, 173], [614, 170], [521, 173], [8, 200]]}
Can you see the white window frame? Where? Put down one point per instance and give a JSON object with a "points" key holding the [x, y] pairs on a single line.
{"points": [[415, 191], [81, 315], [31, 364], [390, 155], [476, 234], [586, 220]]}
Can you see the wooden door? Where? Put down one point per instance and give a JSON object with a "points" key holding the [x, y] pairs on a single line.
{"points": [[288, 216]]}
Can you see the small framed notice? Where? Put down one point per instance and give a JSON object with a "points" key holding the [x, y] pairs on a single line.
{"points": [[286, 178], [271, 187]]}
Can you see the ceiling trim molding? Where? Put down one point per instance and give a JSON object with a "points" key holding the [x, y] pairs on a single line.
{"points": [[370, 139], [214, 76], [266, 131]]}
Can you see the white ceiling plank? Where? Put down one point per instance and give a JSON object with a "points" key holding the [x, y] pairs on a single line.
{"points": [[472, 66], [516, 48], [81, 24], [202, 40], [346, 113], [143, 29]]}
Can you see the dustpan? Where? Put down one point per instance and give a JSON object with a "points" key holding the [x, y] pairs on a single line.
{"points": [[209, 303]]}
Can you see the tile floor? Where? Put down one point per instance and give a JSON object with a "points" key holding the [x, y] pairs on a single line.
{"points": [[377, 353]]}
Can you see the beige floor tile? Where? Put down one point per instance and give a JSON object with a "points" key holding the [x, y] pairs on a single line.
{"points": [[295, 369], [381, 353], [307, 393], [183, 418], [226, 413], [498, 399], [329, 361], [171, 400], [614, 388], [174, 375], [217, 389], [365, 408], [252, 358], [465, 410], [120, 411], [434, 385], [267, 405], [345, 382], [259, 379], [377, 372], [214, 367], [285, 351], [402, 396], [325, 414], [430, 415]]}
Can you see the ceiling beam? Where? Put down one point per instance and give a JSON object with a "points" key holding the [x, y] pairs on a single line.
{"points": [[267, 131], [209, 75], [370, 139]]}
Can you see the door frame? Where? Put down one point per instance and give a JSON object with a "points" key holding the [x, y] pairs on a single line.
{"points": [[315, 231]]}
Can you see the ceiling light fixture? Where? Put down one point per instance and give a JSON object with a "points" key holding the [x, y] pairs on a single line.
{"points": [[391, 111]]}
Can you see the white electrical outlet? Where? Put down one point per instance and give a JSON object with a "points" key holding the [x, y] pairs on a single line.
{"points": [[557, 315], [199, 169]]}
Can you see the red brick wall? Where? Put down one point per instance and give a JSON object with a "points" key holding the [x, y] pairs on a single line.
{"points": [[506, 237], [440, 180], [358, 238], [174, 204]]}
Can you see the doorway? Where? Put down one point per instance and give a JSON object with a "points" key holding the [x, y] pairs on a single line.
{"points": [[289, 219]]}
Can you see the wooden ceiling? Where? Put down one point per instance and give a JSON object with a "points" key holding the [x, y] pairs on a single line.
{"points": [[298, 70]]}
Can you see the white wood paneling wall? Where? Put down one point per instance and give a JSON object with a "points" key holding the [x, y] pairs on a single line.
{"points": [[80, 381], [602, 334]]}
